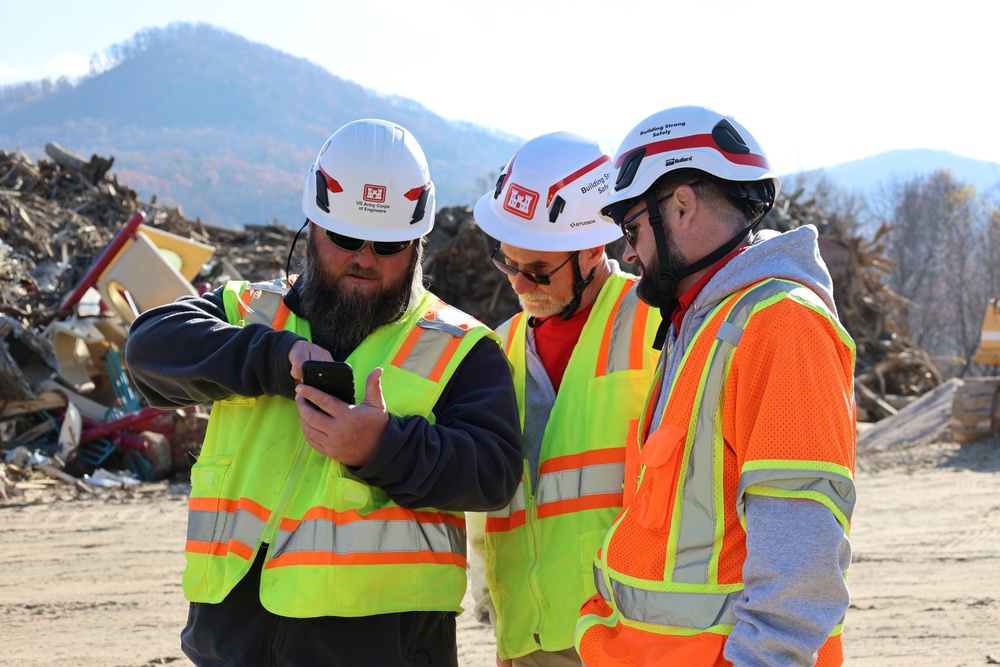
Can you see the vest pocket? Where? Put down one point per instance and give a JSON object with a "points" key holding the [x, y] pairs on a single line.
{"points": [[661, 457], [208, 475]]}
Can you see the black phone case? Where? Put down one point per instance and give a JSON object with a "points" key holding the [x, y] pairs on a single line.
{"points": [[333, 377]]}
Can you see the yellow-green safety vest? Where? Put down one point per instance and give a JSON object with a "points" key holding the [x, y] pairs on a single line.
{"points": [[540, 548], [336, 545]]}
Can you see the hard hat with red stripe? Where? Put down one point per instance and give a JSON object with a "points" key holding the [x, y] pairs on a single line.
{"points": [[549, 196], [690, 138], [371, 181]]}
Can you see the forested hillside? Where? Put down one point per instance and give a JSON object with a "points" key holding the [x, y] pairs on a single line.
{"points": [[226, 127]]}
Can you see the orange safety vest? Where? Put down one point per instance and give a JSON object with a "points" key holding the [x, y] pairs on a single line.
{"points": [[741, 418]]}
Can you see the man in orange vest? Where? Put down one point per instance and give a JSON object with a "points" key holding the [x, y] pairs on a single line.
{"points": [[732, 547], [322, 532]]}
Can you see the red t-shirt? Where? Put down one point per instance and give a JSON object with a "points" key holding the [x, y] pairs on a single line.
{"points": [[555, 339]]}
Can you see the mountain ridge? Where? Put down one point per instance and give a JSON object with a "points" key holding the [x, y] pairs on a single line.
{"points": [[225, 128]]}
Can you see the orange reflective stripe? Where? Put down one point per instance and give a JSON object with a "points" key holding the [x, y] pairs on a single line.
{"points": [[592, 502], [602, 355], [244, 306], [231, 506], [372, 558], [384, 514], [446, 357], [505, 523], [220, 548], [510, 336], [574, 461], [637, 347], [280, 317], [407, 347]]}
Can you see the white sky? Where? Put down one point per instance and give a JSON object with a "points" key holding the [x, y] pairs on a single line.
{"points": [[817, 82]]}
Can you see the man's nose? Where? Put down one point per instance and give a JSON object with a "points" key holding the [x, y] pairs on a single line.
{"points": [[629, 255], [521, 284], [366, 257]]}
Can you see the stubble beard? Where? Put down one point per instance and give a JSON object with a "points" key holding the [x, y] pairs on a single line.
{"points": [[343, 316]]}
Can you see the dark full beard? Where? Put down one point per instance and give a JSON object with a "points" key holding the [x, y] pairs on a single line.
{"points": [[648, 288], [341, 318]]}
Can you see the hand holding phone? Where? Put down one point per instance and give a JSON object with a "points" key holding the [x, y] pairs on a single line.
{"points": [[333, 377]]}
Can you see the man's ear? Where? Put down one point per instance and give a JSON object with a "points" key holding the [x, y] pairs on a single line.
{"points": [[591, 257], [685, 205]]}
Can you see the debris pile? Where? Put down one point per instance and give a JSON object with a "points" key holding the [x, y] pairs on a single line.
{"points": [[81, 256]]}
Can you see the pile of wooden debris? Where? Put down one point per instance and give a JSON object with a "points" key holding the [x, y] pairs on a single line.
{"points": [[57, 217]]}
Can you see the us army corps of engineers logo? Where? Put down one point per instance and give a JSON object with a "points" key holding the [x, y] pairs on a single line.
{"points": [[521, 201], [373, 199]]}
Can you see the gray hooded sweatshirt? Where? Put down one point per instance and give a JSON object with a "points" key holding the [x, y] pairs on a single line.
{"points": [[794, 592]]}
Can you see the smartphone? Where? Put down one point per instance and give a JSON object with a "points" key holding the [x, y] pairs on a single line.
{"points": [[334, 377]]}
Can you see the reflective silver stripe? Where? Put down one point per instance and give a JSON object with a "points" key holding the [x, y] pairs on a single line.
{"points": [[264, 303], [221, 526], [516, 504], [696, 533], [437, 334], [838, 488], [619, 349], [370, 535], [687, 610], [580, 482], [695, 538], [426, 353]]}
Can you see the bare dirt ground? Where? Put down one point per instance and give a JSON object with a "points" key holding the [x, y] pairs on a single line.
{"points": [[93, 580]]}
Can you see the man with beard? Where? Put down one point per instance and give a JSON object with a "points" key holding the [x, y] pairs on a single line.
{"points": [[582, 356], [319, 532], [732, 547]]}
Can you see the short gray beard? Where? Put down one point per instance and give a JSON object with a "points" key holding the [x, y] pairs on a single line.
{"points": [[341, 319]]}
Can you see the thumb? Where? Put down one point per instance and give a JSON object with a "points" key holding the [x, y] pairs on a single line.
{"points": [[373, 390]]}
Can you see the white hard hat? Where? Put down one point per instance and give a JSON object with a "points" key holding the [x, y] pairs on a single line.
{"points": [[549, 196], [371, 181], [691, 137]]}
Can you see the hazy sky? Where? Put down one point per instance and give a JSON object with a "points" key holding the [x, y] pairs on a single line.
{"points": [[817, 83]]}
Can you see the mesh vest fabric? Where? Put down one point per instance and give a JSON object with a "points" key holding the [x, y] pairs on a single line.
{"points": [[670, 569]]}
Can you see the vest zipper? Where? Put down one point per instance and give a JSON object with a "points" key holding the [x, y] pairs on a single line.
{"points": [[271, 529], [531, 518]]}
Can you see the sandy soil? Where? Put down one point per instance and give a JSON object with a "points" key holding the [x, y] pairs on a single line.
{"points": [[93, 580]]}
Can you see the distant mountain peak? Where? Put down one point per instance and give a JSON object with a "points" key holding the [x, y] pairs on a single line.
{"points": [[867, 174], [226, 127]]}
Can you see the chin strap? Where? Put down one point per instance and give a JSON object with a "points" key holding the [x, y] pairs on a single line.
{"points": [[578, 287]]}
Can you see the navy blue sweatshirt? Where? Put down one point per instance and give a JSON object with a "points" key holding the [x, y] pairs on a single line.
{"points": [[186, 353]]}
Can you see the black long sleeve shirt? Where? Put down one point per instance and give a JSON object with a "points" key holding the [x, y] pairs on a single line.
{"points": [[186, 353]]}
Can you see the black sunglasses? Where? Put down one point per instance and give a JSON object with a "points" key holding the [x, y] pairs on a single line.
{"points": [[380, 248], [538, 278]]}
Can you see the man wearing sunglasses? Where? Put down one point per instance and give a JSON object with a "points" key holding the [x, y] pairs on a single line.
{"points": [[321, 532], [581, 351], [732, 547]]}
